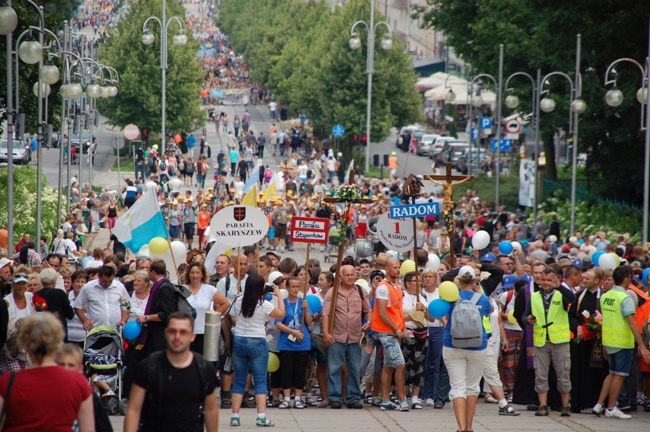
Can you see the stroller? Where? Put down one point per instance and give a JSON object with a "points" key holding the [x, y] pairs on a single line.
{"points": [[103, 351]]}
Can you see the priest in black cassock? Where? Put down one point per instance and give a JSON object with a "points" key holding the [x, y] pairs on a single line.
{"points": [[588, 367]]}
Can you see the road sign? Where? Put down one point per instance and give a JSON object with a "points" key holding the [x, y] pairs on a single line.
{"points": [[486, 122], [513, 126], [309, 230], [395, 234], [506, 145], [239, 225], [474, 133], [118, 144], [338, 131], [131, 132], [414, 210]]}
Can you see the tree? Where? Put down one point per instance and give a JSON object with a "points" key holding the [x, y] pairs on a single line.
{"points": [[139, 99], [542, 35]]}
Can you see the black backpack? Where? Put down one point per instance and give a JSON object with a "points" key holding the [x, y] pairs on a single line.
{"points": [[182, 294]]}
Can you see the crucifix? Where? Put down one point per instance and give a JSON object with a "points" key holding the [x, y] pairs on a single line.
{"points": [[447, 183], [412, 189], [337, 277], [287, 169]]}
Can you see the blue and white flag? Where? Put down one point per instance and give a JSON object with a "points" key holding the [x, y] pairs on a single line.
{"points": [[252, 180], [142, 222]]}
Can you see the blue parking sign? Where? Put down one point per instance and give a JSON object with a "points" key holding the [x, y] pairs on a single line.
{"points": [[338, 131], [486, 122]]}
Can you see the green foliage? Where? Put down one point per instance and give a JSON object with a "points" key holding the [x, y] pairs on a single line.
{"points": [[300, 51], [24, 204], [542, 34], [486, 187], [139, 99]]}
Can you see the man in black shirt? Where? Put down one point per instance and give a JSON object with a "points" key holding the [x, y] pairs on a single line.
{"points": [[174, 390]]}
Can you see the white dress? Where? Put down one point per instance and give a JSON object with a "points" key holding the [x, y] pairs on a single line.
{"points": [[137, 306], [14, 311]]}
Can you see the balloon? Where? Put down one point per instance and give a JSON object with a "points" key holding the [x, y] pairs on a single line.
{"points": [[516, 245], [505, 247], [314, 304], [596, 256], [158, 245], [607, 262], [644, 276], [274, 362], [131, 330], [439, 308], [480, 240], [433, 262], [269, 297], [285, 293], [407, 267], [448, 291], [179, 251], [511, 317], [617, 259]]}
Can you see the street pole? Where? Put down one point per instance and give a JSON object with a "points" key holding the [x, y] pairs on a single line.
{"points": [[10, 149], [646, 186], [163, 66], [61, 134], [538, 92], [39, 162], [574, 156], [369, 70], [470, 93], [498, 126]]}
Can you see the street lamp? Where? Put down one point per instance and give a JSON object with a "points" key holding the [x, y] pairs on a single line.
{"points": [[614, 98], [386, 44], [147, 39]]}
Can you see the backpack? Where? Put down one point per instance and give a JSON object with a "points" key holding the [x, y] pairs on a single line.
{"points": [[182, 305], [283, 217], [467, 324], [155, 381], [163, 166]]}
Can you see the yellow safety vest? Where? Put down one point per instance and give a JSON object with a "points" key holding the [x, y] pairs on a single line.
{"points": [[558, 331], [487, 324], [616, 329]]}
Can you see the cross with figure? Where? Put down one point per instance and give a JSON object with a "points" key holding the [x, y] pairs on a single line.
{"points": [[447, 183]]}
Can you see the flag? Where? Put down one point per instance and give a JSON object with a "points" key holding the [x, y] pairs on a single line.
{"points": [[252, 180], [413, 146], [270, 190], [142, 222], [350, 168], [250, 199]]}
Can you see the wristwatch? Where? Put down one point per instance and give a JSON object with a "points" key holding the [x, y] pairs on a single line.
{"points": [[146, 318]]}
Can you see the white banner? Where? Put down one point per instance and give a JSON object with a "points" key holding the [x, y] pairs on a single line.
{"points": [[526, 183]]}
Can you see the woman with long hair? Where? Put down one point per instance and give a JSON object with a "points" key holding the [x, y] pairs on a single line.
{"points": [[434, 366], [415, 347], [325, 283], [250, 312], [67, 395]]}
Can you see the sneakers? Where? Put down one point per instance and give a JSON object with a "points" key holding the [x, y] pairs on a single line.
{"points": [[388, 406], [429, 402], [508, 411], [565, 412], [298, 404], [355, 405], [416, 406], [368, 399], [264, 422], [438, 405], [597, 409], [542, 411], [109, 393], [376, 401], [616, 413], [234, 421], [404, 406]]}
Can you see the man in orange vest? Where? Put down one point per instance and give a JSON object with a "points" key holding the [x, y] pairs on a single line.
{"points": [[392, 164], [388, 323]]}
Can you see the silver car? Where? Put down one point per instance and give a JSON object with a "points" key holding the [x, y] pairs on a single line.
{"points": [[20, 151]]}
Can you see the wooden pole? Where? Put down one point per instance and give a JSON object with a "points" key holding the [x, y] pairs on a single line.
{"points": [[306, 287], [415, 251], [337, 276], [171, 252], [238, 270]]}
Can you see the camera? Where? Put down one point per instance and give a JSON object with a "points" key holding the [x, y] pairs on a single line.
{"points": [[269, 288]]}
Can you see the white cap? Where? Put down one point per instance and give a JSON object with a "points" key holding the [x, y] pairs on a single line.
{"points": [[467, 270], [274, 275], [4, 262]]}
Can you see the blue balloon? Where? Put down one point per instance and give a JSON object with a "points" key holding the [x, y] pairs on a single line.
{"points": [[505, 247], [439, 308], [595, 257], [314, 304], [269, 297], [644, 276], [132, 330]]}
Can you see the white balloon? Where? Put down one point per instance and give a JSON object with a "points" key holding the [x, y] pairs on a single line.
{"points": [[516, 245], [285, 293], [606, 262], [480, 240], [433, 262], [143, 252], [179, 250]]}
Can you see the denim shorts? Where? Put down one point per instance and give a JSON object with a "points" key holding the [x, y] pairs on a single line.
{"points": [[250, 355], [620, 362], [393, 356]]}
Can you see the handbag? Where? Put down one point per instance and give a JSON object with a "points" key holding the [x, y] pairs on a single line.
{"points": [[6, 398]]}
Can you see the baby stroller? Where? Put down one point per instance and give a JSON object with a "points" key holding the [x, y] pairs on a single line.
{"points": [[103, 351]]}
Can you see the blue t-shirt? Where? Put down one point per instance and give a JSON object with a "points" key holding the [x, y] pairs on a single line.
{"points": [[234, 156], [33, 144], [292, 319], [484, 307]]}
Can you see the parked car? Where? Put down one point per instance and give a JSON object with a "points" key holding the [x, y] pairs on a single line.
{"points": [[21, 152], [479, 161], [424, 144], [452, 150], [412, 130], [83, 137], [439, 145]]}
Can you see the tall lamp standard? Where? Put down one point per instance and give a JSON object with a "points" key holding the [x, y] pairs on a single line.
{"points": [[179, 39], [614, 98], [577, 106], [355, 43]]}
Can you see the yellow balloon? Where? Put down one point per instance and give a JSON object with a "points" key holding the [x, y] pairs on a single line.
{"points": [[617, 258], [274, 362], [511, 317], [158, 245], [448, 291], [407, 267]]}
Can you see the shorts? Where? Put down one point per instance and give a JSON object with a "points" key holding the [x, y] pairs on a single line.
{"points": [[271, 233], [281, 231], [620, 362], [188, 229], [174, 231], [318, 348], [393, 356]]}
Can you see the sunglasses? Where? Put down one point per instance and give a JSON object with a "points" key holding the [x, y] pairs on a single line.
{"points": [[174, 332]]}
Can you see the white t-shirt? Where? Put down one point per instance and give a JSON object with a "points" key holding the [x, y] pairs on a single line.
{"points": [[273, 106], [201, 302], [431, 297], [232, 294], [76, 331], [503, 298], [302, 171], [93, 263], [254, 326], [137, 306]]}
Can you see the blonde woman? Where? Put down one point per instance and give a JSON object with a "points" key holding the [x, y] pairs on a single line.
{"points": [[433, 366]]}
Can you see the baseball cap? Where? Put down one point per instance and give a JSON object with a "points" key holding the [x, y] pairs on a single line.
{"points": [[566, 248], [564, 262], [488, 257], [464, 270], [20, 277], [274, 254], [4, 262], [508, 281], [526, 277]]}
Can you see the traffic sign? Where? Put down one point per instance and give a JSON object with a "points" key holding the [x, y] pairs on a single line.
{"points": [[474, 133], [131, 132], [414, 210], [506, 145], [338, 131], [486, 122], [513, 126]]}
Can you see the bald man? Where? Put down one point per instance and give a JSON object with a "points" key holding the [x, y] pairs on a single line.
{"points": [[352, 307]]}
